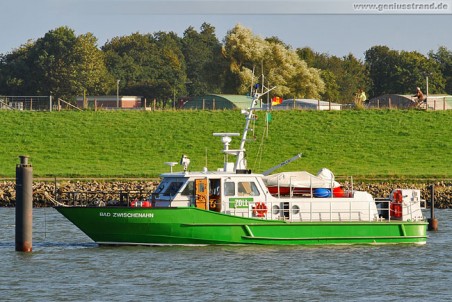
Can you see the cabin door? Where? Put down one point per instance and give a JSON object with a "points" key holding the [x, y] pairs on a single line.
{"points": [[202, 193]]}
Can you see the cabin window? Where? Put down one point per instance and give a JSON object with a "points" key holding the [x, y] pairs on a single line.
{"points": [[229, 188], [247, 188], [188, 190], [161, 187], [173, 188]]}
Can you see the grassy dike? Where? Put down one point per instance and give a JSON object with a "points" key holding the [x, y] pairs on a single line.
{"points": [[365, 144]]}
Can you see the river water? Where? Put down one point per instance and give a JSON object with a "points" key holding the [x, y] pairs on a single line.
{"points": [[65, 265]]}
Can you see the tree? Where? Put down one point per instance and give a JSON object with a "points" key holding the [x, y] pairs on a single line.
{"points": [[205, 64], [343, 77], [443, 57], [66, 65], [15, 70], [380, 62], [332, 89], [309, 56], [133, 60], [92, 74], [244, 51], [352, 78], [60, 63], [280, 66], [401, 71], [149, 65], [172, 71], [412, 70]]}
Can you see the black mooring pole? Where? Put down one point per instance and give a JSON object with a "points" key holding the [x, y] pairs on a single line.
{"points": [[432, 222], [24, 205]]}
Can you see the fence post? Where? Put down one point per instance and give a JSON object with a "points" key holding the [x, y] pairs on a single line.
{"points": [[50, 103], [389, 103]]}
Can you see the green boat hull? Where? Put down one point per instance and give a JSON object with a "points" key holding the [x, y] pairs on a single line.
{"points": [[185, 226]]}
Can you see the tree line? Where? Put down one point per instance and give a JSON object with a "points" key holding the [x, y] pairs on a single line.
{"points": [[163, 65]]}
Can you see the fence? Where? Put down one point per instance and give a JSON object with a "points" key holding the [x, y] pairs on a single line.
{"points": [[440, 103], [403, 102], [35, 103], [49, 103]]}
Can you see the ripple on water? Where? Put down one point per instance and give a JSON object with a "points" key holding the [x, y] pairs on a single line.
{"points": [[66, 265]]}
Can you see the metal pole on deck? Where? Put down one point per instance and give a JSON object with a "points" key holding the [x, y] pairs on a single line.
{"points": [[24, 205], [432, 222]]}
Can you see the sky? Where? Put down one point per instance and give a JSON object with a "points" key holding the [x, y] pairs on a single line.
{"points": [[334, 27]]}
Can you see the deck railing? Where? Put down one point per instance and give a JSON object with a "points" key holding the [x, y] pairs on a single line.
{"points": [[347, 211], [101, 198]]}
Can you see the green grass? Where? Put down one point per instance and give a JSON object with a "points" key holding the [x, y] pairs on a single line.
{"points": [[365, 143]]}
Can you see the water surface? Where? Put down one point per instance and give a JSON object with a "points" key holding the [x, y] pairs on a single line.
{"points": [[66, 265]]}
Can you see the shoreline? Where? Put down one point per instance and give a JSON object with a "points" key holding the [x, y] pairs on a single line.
{"points": [[95, 191]]}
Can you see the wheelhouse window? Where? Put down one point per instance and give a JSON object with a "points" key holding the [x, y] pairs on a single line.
{"points": [[247, 188], [229, 188], [170, 186], [173, 188], [188, 190]]}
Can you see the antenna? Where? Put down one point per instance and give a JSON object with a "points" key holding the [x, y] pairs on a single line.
{"points": [[171, 164], [252, 83], [263, 78]]}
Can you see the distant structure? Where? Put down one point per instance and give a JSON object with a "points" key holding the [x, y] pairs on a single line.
{"points": [[308, 104], [233, 101], [218, 101], [110, 102]]}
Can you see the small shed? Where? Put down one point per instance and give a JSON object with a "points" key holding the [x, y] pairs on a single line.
{"points": [[308, 104], [110, 101], [218, 101]]}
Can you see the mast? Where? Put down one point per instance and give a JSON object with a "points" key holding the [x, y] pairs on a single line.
{"points": [[240, 163]]}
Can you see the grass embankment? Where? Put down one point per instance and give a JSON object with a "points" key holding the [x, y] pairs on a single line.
{"points": [[113, 144]]}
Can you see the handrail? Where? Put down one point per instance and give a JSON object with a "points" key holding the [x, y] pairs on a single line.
{"points": [[87, 198], [294, 210], [295, 213]]}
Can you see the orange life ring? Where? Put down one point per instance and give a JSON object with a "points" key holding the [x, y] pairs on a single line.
{"points": [[259, 209]]}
